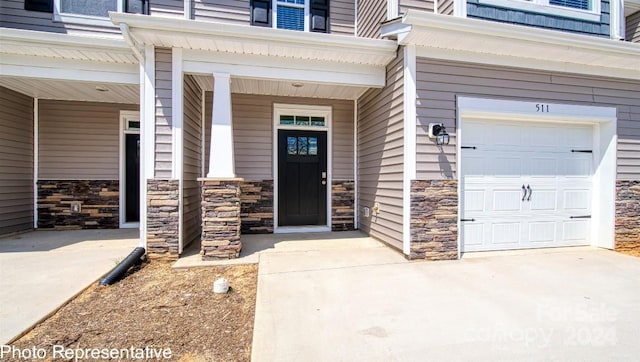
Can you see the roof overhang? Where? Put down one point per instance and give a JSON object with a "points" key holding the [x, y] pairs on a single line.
{"points": [[479, 41], [70, 67], [263, 53]]}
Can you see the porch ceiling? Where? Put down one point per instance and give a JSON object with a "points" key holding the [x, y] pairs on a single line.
{"points": [[285, 88], [72, 90]]}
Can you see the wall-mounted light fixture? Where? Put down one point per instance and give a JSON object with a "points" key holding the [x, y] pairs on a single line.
{"points": [[439, 132]]}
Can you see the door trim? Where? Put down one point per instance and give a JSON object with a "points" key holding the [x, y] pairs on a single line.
{"points": [[124, 117], [306, 110], [605, 141]]}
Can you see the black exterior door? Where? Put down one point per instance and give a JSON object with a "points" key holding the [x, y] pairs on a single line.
{"points": [[302, 178], [132, 178]]}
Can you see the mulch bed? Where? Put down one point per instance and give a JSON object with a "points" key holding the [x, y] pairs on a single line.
{"points": [[158, 307]]}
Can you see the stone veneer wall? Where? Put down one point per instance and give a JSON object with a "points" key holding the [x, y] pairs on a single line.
{"points": [[342, 203], [256, 207], [434, 220], [162, 218], [220, 219], [627, 215], [99, 202]]}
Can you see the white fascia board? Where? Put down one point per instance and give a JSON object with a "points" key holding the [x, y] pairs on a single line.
{"points": [[26, 37], [65, 69], [457, 25], [175, 28], [526, 63], [265, 67]]}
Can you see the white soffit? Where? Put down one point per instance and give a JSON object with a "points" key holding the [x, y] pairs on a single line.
{"points": [[480, 41], [285, 88], [73, 90], [248, 40], [64, 46]]}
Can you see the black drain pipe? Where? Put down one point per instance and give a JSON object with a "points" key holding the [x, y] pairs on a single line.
{"points": [[121, 269]]}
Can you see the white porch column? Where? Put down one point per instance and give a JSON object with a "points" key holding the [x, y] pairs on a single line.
{"points": [[221, 160]]}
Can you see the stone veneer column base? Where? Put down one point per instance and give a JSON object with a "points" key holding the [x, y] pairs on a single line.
{"points": [[342, 201], [98, 200], [220, 218], [627, 215], [256, 204], [434, 220], [162, 218]]}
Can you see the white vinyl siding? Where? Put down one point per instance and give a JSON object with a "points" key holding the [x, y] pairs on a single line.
{"points": [[164, 133], [16, 161], [380, 156], [438, 84], [192, 160], [79, 140]]}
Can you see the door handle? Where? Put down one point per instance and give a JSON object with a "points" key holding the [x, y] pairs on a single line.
{"points": [[530, 191], [524, 192]]}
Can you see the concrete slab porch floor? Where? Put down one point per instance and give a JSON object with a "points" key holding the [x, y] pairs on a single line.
{"points": [[41, 270], [365, 302]]}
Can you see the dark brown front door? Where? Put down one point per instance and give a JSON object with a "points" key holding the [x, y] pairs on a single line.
{"points": [[302, 178]]}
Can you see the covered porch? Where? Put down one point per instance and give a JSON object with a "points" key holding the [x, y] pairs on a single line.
{"points": [[252, 131]]}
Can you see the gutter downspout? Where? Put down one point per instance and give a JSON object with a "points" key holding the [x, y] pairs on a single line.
{"points": [[126, 34]]}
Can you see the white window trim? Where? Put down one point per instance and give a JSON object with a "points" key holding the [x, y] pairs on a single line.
{"points": [[274, 13], [125, 117], [311, 111], [543, 7], [59, 16]]}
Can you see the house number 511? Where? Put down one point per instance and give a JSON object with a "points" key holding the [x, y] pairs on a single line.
{"points": [[542, 108]]}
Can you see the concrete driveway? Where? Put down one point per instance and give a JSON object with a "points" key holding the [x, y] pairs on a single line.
{"points": [[39, 271], [357, 300]]}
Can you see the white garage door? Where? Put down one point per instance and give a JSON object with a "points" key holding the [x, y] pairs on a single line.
{"points": [[525, 185]]}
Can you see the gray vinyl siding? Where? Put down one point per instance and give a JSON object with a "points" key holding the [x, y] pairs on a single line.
{"points": [[371, 14], [342, 17], [633, 27], [192, 157], [13, 15], [446, 7], [439, 83], [164, 133], [16, 161], [224, 11], [478, 10], [79, 140], [380, 156], [168, 8], [421, 5], [253, 132]]}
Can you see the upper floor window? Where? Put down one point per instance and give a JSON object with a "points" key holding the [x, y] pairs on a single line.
{"points": [[95, 12], [45, 6], [578, 9], [300, 15]]}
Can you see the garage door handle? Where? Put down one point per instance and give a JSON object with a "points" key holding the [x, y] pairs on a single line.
{"points": [[524, 192], [468, 220], [530, 191]]}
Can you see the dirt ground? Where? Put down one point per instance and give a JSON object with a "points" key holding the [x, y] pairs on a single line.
{"points": [[159, 307]]}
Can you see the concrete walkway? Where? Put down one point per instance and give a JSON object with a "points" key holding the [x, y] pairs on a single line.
{"points": [[39, 271], [357, 300]]}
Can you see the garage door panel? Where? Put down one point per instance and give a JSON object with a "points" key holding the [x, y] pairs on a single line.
{"points": [[505, 233], [509, 156], [544, 200], [542, 232], [506, 200]]}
